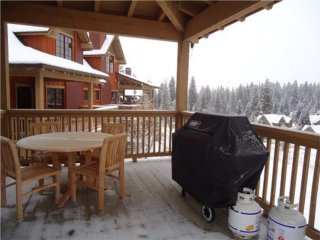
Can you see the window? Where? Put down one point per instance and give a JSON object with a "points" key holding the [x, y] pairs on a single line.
{"points": [[110, 64], [55, 98], [97, 94], [107, 64], [85, 94], [64, 46]]}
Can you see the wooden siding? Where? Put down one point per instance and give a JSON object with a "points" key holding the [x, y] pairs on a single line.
{"points": [[74, 95], [42, 43], [106, 96], [97, 62], [77, 51], [97, 39]]}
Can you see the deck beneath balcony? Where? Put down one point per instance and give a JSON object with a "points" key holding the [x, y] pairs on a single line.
{"points": [[153, 209]]}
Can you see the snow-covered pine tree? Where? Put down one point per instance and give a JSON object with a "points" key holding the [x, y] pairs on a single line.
{"points": [[193, 94], [172, 93], [266, 97]]}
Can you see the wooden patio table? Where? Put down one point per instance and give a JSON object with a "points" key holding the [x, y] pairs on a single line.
{"points": [[69, 142]]}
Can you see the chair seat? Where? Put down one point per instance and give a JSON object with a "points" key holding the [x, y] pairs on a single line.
{"points": [[34, 172], [91, 169]]}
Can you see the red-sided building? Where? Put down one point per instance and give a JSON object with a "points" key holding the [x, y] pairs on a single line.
{"points": [[59, 68]]}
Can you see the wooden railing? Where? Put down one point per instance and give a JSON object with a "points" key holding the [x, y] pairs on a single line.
{"points": [[149, 132], [292, 169]]}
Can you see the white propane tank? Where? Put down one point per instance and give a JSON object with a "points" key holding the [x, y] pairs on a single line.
{"points": [[244, 218], [285, 222]]}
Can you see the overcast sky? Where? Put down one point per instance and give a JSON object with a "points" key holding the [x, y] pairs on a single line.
{"points": [[282, 44]]}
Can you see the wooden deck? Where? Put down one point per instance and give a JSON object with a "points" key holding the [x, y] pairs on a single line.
{"points": [[153, 209]]}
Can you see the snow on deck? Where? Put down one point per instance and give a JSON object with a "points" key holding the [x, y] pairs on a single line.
{"points": [[152, 209]]}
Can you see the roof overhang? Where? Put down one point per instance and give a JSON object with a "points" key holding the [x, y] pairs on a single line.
{"points": [[174, 22], [54, 72], [128, 82]]}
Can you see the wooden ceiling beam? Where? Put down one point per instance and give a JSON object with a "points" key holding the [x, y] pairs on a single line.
{"points": [[221, 14], [25, 12], [189, 8], [207, 2], [173, 13], [97, 4], [132, 8]]}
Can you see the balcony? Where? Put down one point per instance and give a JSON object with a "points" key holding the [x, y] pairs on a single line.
{"points": [[293, 169]]}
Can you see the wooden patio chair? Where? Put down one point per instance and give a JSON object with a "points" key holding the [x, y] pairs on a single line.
{"points": [[47, 157], [110, 128], [10, 167], [93, 174]]}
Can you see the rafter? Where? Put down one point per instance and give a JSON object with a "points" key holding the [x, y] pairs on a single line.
{"points": [[161, 16], [22, 12], [173, 14], [219, 15], [97, 4], [132, 8]]}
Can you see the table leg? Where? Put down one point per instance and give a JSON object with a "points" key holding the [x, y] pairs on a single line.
{"points": [[67, 194]]}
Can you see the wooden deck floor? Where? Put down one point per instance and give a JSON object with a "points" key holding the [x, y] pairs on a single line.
{"points": [[152, 209]]}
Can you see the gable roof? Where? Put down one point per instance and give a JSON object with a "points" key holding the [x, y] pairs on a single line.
{"points": [[128, 80], [314, 119], [111, 40], [275, 118], [312, 128], [24, 55]]}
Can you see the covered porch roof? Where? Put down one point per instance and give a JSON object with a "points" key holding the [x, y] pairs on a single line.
{"points": [[166, 20], [184, 22], [130, 82]]}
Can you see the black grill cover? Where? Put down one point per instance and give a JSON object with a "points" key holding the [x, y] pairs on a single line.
{"points": [[214, 157]]}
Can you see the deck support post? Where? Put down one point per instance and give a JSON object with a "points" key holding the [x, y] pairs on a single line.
{"points": [[182, 79], [5, 83], [90, 102], [39, 90]]}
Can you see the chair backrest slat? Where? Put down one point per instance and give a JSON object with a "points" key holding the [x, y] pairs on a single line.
{"points": [[113, 151], [9, 158], [43, 127], [113, 128]]}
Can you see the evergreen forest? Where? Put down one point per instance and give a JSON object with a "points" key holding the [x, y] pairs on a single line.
{"points": [[295, 100]]}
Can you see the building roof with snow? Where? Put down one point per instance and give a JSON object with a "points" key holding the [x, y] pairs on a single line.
{"points": [[22, 55], [312, 128], [111, 42], [275, 119], [314, 119]]}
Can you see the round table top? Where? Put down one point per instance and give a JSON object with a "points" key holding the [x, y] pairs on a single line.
{"points": [[63, 141]]}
